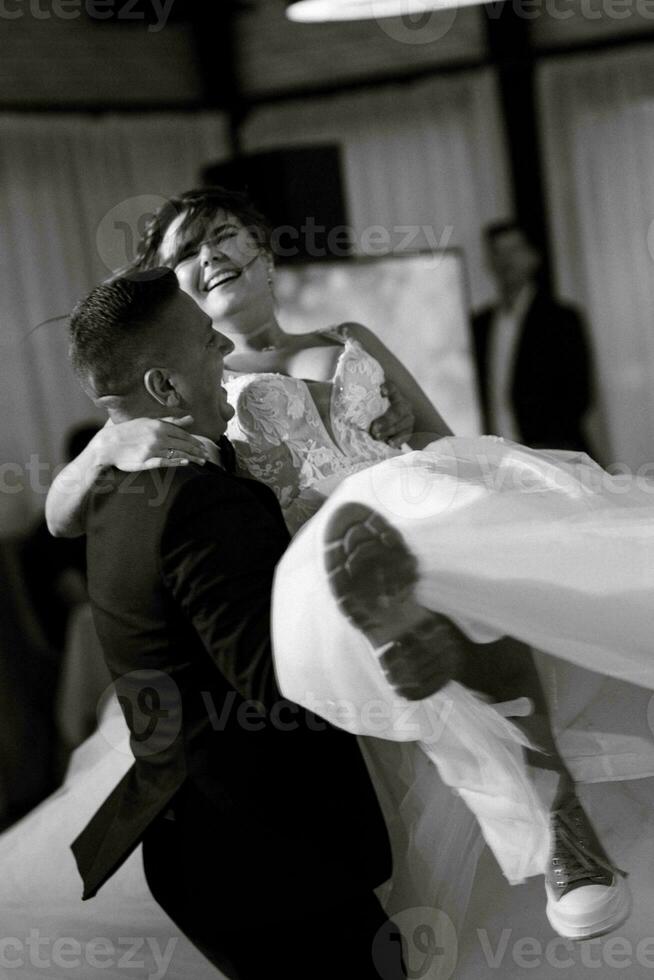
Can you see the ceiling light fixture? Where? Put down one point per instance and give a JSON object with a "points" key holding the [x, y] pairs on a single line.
{"points": [[320, 11]]}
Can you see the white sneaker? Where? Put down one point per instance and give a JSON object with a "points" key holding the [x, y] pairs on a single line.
{"points": [[586, 895]]}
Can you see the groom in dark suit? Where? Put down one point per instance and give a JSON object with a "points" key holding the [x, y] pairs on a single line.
{"points": [[262, 836]]}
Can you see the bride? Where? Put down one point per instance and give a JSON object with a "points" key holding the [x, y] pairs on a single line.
{"points": [[304, 438]]}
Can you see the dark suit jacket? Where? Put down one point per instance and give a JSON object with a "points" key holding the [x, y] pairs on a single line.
{"points": [[180, 585], [552, 381]]}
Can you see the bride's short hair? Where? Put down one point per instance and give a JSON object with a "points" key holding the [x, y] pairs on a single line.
{"points": [[198, 208]]}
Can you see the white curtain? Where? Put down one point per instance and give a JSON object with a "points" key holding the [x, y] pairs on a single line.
{"points": [[428, 155], [598, 131], [73, 194]]}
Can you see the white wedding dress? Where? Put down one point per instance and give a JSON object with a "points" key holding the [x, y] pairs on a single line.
{"points": [[537, 545], [542, 546]]}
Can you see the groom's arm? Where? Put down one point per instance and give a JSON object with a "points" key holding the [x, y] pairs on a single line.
{"points": [[219, 550]]}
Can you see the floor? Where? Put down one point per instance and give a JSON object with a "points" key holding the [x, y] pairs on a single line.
{"points": [[504, 937]]}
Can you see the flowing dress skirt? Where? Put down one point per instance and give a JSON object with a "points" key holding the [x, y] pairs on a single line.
{"points": [[543, 546]]}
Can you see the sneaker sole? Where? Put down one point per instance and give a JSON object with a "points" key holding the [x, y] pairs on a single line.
{"points": [[371, 571], [372, 575]]}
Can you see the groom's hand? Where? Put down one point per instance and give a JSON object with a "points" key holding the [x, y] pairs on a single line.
{"points": [[424, 660], [395, 426]]}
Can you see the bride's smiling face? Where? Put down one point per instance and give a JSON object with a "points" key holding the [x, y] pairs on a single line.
{"points": [[223, 267]]}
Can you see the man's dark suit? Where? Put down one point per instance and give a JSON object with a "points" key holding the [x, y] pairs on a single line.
{"points": [[257, 832], [552, 380]]}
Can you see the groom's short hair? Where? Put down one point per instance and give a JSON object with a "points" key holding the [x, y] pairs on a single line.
{"points": [[117, 328]]}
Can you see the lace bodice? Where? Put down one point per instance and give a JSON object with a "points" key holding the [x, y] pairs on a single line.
{"points": [[281, 439]]}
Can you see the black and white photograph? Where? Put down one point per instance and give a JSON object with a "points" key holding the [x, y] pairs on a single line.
{"points": [[326, 489]]}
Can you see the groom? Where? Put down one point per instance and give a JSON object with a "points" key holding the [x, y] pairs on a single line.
{"points": [[262, 836]]}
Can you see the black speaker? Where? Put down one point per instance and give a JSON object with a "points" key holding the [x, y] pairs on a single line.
{"points": [[300, 192]]}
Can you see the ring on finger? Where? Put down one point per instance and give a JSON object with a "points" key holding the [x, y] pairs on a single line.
{"points": [[170, 453]]}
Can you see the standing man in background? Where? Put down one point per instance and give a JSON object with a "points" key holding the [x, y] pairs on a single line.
{"points": [[534, 365]]}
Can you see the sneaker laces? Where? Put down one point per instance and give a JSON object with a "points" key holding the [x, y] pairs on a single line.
{"points": [[581, 861]]}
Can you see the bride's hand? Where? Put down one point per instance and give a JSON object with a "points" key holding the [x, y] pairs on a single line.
{"points": [[146, 444], [139, 444], [395, 426]]}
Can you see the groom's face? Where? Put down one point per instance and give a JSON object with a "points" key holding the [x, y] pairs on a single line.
{"points": [[195, 353]]}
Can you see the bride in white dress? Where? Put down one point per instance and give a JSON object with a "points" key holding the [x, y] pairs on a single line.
{"points": [[305, 462]]}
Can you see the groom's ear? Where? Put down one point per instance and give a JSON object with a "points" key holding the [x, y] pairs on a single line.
{"points": [[160, 385]]}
